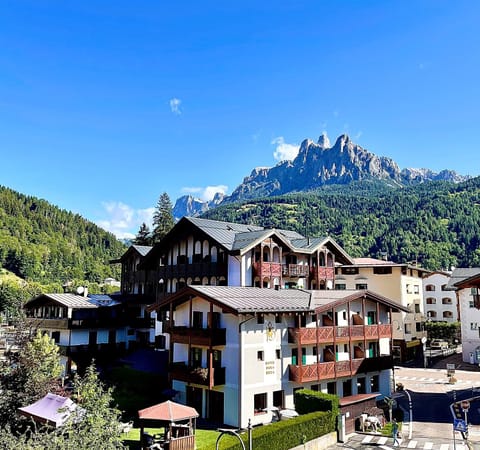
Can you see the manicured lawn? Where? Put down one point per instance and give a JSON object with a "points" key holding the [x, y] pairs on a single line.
{"points": [[204, 439]]}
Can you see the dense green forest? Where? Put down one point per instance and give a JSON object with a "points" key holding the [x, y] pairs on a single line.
{"points": [[41, 243], [436, 224]]}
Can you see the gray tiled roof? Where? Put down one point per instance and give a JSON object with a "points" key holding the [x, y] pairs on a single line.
{"points": [[461, 274], [243, 240], [223, 232], [68, 300], [252, 299]]}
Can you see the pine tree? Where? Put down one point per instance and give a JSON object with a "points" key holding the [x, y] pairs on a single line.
{"points": [[143, 236], [162, 218]]}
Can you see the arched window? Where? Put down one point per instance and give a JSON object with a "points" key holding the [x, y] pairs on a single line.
{"points": [[276, 254], [446, 301], [447, 314], [266, 254], [213, 253], [431, 314], [431, 301], [430, 287]]}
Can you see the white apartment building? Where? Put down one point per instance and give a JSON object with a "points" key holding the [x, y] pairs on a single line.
{"points": [[440, 303], [466, 282], [237, 352]]}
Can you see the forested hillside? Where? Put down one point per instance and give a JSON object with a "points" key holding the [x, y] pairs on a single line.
{"points": [[40, 242], [436, 224]]}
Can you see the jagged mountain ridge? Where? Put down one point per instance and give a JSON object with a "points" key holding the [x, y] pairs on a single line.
{"points": [[316, 165]]}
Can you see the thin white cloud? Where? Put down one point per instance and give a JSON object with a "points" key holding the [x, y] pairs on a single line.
{"points": [[124, 221], [205, 193], [283, 150], [359, 135], [175, 106]]}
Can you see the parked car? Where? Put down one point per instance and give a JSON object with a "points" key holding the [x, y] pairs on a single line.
{"points": [[438, 343]]}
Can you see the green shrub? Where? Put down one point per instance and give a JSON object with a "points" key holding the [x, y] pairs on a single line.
{"points": [[289, 433], [307, 401]]}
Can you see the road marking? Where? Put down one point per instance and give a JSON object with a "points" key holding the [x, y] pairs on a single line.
{"points": [[383, 440], [385, 447], [444, 446], [428, 446], [412, 444], [367, 439]]}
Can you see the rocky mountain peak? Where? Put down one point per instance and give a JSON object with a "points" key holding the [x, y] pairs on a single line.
{"points": [[318, 164]]}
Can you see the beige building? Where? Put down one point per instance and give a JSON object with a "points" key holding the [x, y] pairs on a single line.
{"points": [[400, 282]]}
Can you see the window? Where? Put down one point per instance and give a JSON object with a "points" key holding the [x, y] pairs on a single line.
{"points": [[431, 301], [382, 270], [196, 357], [361, 286], [197, 319], [350, 270], [447, 314], [361, 385], [315, 387], [429, 287], [260, 320], [444, 287], [278, 318], [314, 351], [340, 286], [431, 314], [446, 301], [418, 326], [409, 288], [332, 387], [260, 355], [278, 399], [417, 308], [278, 353], [56, 336], [408, 328], [416, 289], [260, 403], [473, 325], [374, 383], [347, 388]]}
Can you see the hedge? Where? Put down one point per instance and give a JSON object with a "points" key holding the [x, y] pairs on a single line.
{"points": [[307, 401], [287, 434]]}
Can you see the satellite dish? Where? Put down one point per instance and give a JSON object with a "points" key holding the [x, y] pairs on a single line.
{"points": [[80, 290]]}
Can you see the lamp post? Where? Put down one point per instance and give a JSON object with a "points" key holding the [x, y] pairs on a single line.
{"points": [[410, 413]]}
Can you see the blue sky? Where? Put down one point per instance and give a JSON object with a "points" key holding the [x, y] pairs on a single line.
{"points": [[104, 105]]}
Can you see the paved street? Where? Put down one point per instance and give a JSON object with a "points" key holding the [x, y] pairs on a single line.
{"points": [[432, 420]]}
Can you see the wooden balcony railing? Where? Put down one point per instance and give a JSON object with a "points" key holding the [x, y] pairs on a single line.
{"points": [[322, 273], [267, 269], [215, 376], [197, 336], [295, 270], [330, 370], [309, 336]]}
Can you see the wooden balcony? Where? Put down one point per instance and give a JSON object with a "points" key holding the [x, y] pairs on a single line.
{"points": [[295, 270], [204, 337], [327, 335], [322, 273], [197, 269], [57, 324], [267, 269], [335, 369], [215, 376]]}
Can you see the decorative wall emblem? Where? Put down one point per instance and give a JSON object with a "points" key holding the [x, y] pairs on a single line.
{"points": [[270, 331]]}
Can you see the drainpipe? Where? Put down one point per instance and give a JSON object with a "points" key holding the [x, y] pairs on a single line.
{"points": [[240, 371]]}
